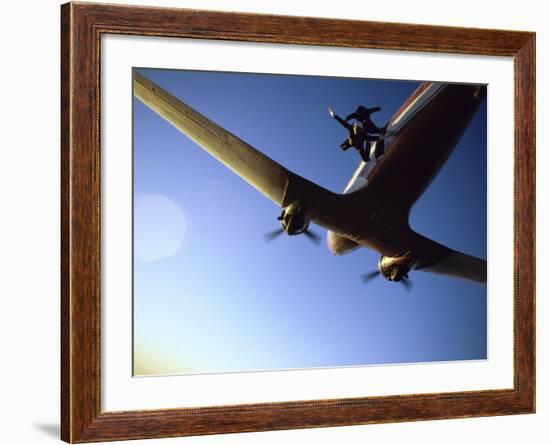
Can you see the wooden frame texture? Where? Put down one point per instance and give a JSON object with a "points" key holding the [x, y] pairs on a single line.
{"points": [[82, 25]]}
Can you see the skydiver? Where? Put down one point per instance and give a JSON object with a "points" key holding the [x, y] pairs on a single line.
{"points": [[358, 136], [362, 114]]}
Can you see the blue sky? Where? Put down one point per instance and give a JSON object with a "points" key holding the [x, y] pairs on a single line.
{"points": [[211, 296]]}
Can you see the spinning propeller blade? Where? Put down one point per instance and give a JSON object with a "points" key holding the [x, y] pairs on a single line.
{"points": [[366, 277], [270, 236], [313, 236], [407, 284]]}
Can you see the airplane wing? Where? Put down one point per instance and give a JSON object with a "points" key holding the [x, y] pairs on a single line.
{"points": [[264, 174], [440, 259], [459, 265]]}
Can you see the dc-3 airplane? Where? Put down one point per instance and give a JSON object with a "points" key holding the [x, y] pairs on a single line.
{"points": [[373, 211]]}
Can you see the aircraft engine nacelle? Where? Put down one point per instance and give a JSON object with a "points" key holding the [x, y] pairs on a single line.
{"points": [[294, 218], [395, 268]]}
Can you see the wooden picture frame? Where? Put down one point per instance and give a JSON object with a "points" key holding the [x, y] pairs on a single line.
{"points": [[82, 25]]}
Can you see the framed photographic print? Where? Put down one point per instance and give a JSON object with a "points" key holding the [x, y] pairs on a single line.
{"points": [[277, 222]]}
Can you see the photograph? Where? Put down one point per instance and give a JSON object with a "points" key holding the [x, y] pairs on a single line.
{"points": [[292, 222]]}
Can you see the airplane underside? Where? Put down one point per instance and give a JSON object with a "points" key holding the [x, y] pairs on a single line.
{"points": [[374, 210]]}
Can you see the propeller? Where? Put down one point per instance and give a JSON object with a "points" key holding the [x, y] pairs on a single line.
{"points": [[294, 220], [366, 277], [405, 281], [270, 236], [316, 239]]}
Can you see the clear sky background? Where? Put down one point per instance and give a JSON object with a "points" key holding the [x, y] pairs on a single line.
{"points": [[211, 296]]}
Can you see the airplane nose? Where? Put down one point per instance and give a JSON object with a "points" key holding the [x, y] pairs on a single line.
{"points": [[340, 245]]}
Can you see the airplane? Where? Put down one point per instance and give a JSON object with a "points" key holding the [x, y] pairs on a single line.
{"points": [[373, 210]]}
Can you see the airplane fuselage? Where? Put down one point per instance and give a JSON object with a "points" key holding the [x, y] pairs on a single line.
{"points": [[419, 139]]}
